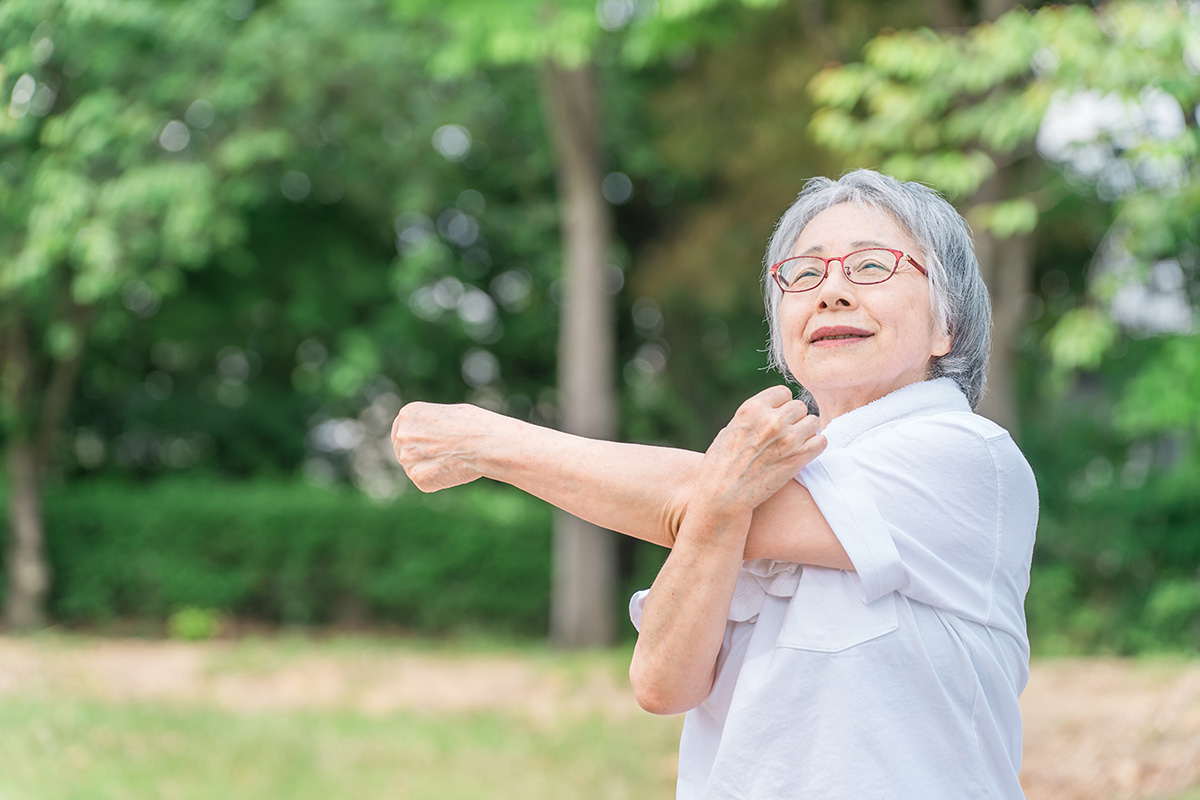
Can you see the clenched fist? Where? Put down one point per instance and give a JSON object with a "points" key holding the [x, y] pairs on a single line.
{"points": [[441, 446]]}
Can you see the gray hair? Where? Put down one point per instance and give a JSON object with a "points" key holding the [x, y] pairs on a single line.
{"points": [[957, 293]]}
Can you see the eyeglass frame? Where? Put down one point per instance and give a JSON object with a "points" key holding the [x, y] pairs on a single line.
{"points": [[899, 254]]}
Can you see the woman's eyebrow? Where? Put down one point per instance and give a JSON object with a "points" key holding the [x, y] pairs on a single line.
{"points": [[816, 248]]}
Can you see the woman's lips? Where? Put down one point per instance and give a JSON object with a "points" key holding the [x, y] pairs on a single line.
{"points": [[831, 336]]}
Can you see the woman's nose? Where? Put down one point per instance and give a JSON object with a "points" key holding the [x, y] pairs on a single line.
{"points": [[836, 289]]}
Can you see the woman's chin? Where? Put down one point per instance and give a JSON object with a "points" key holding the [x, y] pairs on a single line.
{"points": [[834, 378]]}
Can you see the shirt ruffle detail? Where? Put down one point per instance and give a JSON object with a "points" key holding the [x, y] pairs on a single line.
{"points": [[759, 578]]}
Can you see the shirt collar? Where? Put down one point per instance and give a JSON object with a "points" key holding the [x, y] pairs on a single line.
{"points": [[917, 399]]}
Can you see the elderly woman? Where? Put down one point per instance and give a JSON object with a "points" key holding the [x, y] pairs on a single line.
{"points": [[841, 613]]}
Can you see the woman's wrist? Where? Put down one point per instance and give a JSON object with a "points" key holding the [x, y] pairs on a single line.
{"points": [[711, 523], [496, 444]]}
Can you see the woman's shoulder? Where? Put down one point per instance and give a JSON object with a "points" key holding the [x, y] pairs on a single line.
{"points": [[947, 442], [944, 428]]}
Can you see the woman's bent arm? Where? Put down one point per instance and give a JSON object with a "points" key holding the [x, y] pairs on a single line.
{"points": [[683, 622]]}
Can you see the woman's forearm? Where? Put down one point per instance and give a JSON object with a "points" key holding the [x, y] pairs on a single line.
{"points": [[685, 612], [637, 490]]}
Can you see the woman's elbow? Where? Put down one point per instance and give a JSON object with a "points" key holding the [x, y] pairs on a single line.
{"points": [[658, 694], [659, 702]]}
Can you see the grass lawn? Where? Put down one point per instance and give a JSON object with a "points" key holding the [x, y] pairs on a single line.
{"points": [[77, 731], [360, 717], [66, 749]]}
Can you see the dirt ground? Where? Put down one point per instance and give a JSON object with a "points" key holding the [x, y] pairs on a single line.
{"points": [[1095, 729]]}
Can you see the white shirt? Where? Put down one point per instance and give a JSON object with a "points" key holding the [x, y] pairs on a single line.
{"points": [[899, 679]]}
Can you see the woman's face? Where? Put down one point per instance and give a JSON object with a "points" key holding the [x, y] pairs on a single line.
{"points": [[886, 331]]}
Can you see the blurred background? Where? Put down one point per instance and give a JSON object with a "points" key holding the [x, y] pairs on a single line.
{"points": [[237, 235]]}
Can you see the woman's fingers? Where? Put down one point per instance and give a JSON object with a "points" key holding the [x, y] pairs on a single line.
{"points": [[813, 446], [777, 398], [772, 412], [795, 411], [772, 396]]}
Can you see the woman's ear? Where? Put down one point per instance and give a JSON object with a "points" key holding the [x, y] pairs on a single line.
{"points": [[942, 345]]}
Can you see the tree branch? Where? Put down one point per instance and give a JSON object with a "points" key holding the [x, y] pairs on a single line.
{"points": [[16, 377]]}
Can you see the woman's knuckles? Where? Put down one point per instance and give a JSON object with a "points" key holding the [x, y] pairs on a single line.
{"points": [[774, 395]]}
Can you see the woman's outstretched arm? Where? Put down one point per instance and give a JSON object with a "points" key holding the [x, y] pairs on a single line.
{"points": [[638, 490]]}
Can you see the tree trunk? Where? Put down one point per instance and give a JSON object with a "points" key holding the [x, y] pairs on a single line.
{"points": [[34, 414], [1007, 267], [585, 556], [28, 573]]}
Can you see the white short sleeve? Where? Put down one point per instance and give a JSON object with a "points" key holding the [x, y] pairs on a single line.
{"points": [[941, 508], [637, 606]]}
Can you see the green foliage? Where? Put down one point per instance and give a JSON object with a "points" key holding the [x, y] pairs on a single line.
{"points": [[1173, 613], [290, 553], [949, 108], [1117, 560], [1163, 396], [197, 555], [1006, 218], [476, 33], [265, 189], [137, 133], [1081, 339], [100, 180]]}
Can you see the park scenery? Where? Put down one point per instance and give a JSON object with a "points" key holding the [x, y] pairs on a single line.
{"points": [[237, 236]]}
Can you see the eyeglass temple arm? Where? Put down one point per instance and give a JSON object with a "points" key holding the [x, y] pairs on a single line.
{"points": [[913, 261]]}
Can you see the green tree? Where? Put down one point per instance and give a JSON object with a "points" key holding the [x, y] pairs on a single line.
{"points": [[983, 115], [154, 152], [97, 189]]}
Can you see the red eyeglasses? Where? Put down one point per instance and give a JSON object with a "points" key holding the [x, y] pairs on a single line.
{"points": [[864, 267]]}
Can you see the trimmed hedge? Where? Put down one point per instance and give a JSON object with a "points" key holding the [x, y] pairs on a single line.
{"points": [[473, 557], [478, 557]]}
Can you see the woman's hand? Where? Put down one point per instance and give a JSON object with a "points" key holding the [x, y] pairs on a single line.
{"points": [[769, 440], [441, 446]]}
